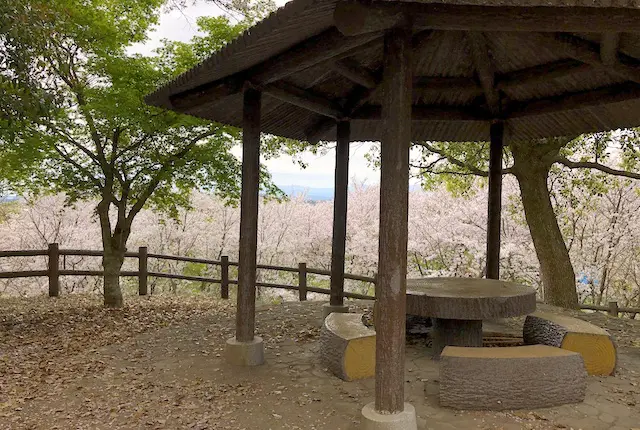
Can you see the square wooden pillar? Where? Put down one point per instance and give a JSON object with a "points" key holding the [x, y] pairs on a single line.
{"points": [[394, 200], [247, 349], [495, 200], [341, 188]]}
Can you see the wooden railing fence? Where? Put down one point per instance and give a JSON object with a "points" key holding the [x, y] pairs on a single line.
{"points": [[54, 272]]}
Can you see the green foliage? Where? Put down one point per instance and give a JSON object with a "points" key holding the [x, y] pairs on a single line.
{"points": [[94, 137]]}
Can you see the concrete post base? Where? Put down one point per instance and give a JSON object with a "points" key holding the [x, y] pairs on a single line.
{"points": [[372, 420], [328, 309], [245, 353]]}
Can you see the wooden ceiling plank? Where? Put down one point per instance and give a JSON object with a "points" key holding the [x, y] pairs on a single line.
{"points": [[625, 67], [355, 18], [324, 47], [356, 98], [575, 101], [351, 70], [427, 113], [303, 98], [543, 73]]}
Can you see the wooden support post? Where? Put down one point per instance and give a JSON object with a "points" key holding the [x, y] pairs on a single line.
{"points": [[302, 281], [394, 199], [54, 270], [246, 304], [341, 185], [224, 277], [613, 309], [143, 270], [495, 200]]}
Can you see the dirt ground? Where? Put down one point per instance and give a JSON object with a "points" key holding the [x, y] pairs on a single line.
{"points": [[158, 364]]}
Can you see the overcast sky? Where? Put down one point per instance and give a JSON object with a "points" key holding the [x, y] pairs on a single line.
{"points": [[181, 25]]}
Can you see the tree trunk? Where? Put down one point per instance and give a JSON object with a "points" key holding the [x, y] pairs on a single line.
{"points": [[112, 264], [114, 246], [531, 167]]}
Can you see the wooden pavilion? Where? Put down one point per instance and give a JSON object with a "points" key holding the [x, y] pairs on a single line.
{"points": [[397, 71]]}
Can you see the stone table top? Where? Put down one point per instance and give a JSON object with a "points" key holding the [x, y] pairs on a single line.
{"points": [[468, 298]]}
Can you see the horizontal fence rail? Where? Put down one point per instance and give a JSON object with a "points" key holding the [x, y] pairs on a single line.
{"points": [[54, 272]]}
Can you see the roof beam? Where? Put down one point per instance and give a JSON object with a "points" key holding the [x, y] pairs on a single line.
{"points": [[588, 52], [540, 74], [484, 69], [444, 84], [356, 98], [508, 81], [361, 95], [303, 98], [352, 71], [355, 18], [324, 47], [575, 101], [426, 113], [609, 48]]}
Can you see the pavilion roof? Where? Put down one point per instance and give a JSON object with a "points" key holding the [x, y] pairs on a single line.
{"points": [[547, 67]]}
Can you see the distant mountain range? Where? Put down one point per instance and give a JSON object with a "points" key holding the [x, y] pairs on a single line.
{"points": [[319, 194], [310, 193]]}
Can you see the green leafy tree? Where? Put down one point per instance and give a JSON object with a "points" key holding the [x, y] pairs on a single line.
{"points": [[76, 122], [534, 164]]}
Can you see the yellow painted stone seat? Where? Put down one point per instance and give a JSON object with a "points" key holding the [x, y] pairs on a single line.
{"points": [[595, 344], [348, 347]]}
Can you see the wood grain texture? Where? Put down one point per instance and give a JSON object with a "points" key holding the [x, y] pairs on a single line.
{"points": [[495, 378], [339, 237], [494, 207], [455, 333], [246, 301], [354, 18], [347, 346], [595, 344], [394, 200], [468, 298]]}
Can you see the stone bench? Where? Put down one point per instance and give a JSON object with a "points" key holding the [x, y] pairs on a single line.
{"points": [[348, 347], [518, 377], [594, 343]]}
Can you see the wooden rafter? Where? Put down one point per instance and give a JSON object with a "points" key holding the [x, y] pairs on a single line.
{"points": [[354, 72], [303, 98], [540, 74], [575, 101], [353, 18], [324, 47], [427, 113], [356, 98], [359, 95], [609, 48], [625, 67], [484, 69]]}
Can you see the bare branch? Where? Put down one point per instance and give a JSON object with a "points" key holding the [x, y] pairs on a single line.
{"points": [[159, 174], [596, 166], [78, 166]]}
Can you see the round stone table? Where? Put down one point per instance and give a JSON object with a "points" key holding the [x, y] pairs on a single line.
{"points": [[457, 306]]}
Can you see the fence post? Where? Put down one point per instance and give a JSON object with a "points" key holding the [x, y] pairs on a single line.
{"points": [[54, 269], [143, 270], [302, 281], [613, 309], [224, 277]]}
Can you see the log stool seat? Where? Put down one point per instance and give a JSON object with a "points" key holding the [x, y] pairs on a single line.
{"points": [[518, 377], [595, 344], [348, 347]]}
